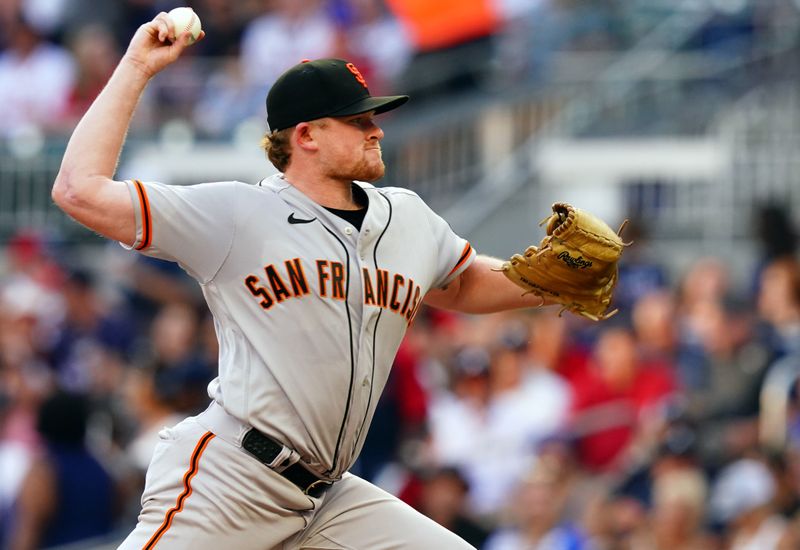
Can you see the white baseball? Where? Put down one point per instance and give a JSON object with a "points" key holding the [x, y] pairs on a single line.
{"points": [[185, 19]]}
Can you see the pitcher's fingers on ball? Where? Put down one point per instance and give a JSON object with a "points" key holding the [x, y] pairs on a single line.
{"points": [[185, 39], [188, 40], [166, 29]]}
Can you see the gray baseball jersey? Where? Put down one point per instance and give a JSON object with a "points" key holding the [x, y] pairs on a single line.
{"points": [[308, 310]]}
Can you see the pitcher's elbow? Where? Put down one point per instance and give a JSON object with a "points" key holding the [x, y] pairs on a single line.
{"points": [[65, 194], [60, 191]]}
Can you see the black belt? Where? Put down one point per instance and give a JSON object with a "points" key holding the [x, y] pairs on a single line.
{"points": [[266, 449]]}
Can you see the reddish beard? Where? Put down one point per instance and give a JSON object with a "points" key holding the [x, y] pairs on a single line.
{"points": [[370, 171], [365, 170]]}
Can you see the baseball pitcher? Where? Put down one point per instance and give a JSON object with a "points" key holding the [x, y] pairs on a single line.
{"points": [[312, 277]]}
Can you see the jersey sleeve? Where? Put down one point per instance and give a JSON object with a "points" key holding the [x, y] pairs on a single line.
{"points": [[455, 254], [192, 225]]}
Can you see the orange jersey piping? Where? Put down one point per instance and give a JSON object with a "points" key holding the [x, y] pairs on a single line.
{"points": [[194, 466], [464, 256], [144, 203]]}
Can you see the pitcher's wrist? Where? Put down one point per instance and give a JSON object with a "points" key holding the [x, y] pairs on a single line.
{"points": [[134, 67]]}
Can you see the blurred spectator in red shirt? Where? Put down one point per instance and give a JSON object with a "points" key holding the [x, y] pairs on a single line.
{"points": [[619, 400], [31, 259]]}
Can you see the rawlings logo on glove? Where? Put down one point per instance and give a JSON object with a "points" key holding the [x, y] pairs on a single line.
{"points": [[575, 265], [578, 263]]}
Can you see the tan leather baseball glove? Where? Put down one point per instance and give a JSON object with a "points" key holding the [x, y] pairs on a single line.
{"points": [[575, 265]]}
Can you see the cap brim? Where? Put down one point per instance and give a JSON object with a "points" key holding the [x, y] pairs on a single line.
{"points": [[380, 105]]}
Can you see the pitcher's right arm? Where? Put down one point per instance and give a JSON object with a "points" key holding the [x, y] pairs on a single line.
{"points": [[84, 187]]}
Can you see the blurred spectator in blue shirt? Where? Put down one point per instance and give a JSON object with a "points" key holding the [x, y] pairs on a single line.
{"points": [[639, 272], [89, 329], [68, 495]]}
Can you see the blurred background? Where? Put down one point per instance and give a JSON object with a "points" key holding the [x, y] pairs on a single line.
{"points": [[674, 425]]}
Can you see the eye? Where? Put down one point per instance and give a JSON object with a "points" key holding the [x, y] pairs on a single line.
{"points": [[362, 122]]}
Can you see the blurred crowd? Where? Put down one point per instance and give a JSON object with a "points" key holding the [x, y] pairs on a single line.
{"points": [[522, 430], [674, 425], [56, 55]]}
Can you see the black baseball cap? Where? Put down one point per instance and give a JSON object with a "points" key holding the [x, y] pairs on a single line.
{"points": [[322, 88]]}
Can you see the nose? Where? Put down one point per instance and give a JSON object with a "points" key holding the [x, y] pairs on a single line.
{"points": [[375, 131]]}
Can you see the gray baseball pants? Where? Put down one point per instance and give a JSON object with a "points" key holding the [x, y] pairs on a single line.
{"points": [[203, 491]]}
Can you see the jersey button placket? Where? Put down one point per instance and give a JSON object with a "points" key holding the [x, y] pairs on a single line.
{"points": [[362, 244]]}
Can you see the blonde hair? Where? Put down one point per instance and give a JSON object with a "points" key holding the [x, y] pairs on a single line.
{"points": [[278, 147]]}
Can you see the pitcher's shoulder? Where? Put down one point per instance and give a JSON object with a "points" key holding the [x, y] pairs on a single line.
{"points": [[393, 192], [264, 188]]}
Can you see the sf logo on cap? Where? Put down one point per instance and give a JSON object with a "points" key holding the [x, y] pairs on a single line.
{"points": [[352, 68]]}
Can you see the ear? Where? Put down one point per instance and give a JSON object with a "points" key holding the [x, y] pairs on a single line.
{"points": [[303, 137]]}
